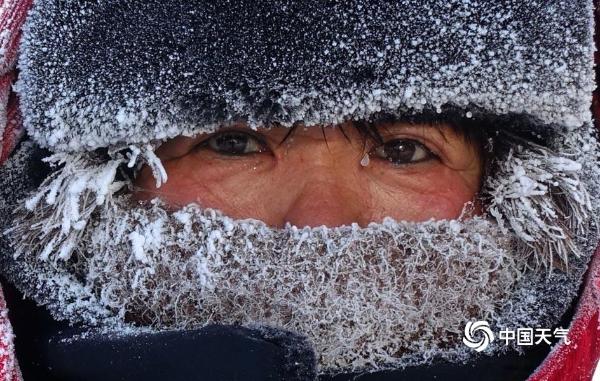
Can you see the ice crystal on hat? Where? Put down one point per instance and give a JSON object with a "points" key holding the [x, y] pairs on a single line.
{"points": [[100, 73]]}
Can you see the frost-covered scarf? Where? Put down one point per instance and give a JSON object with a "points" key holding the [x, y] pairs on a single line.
{"points": [[389, 294]]}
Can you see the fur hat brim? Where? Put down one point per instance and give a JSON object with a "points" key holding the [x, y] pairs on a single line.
{"points": [[95, 74]]}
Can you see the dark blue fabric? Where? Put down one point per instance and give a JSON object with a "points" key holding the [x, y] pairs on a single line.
{"points": [[51, 351]]}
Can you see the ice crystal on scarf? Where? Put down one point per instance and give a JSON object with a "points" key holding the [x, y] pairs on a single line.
{"points": [[540, 197], [69, 196], [360, 294]]}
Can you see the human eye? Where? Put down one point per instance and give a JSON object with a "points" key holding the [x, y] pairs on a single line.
{"points": [[235, 143], [403, 151]]}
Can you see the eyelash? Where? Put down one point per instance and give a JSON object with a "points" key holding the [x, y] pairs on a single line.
{"points": [[260, 142], [381, 151]]}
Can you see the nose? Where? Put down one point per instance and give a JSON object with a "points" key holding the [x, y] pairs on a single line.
{"points": [[327, 186], [324, 202]]}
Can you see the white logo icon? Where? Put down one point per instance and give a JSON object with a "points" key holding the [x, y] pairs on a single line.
{"points": [[472, 329]]}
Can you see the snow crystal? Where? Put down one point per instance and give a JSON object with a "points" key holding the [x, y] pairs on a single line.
{"points": [[322, 282], [7, 348], [4, 38], [541, 197], [83, 183], [186, 72], [137, 246]]}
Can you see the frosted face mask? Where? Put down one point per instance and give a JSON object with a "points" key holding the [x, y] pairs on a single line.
{"points": [[374, 296]]}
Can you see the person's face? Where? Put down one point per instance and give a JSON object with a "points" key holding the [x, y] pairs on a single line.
{"points": [[320, 176]]}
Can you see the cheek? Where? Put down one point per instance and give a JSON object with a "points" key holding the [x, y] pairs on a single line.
{"points": [[440, 204], [437, 192], [232, 186]]}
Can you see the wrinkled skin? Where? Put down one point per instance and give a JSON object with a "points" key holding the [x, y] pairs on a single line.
{"points": [[320, 176]]}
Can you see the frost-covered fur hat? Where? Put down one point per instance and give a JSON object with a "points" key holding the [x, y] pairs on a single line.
{"points": [[102, 83], [130, 71]]}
